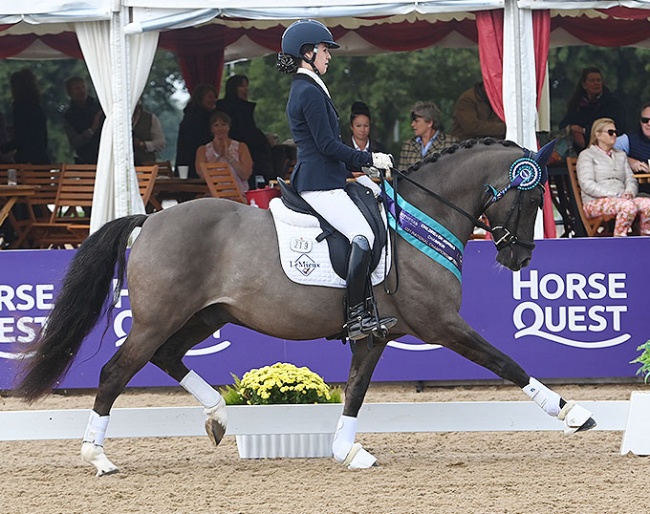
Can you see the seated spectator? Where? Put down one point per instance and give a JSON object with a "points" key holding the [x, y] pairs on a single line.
{"points": [[360, 129], [428, 137], [30, 124], [194, 129], [636, 144], [82, 122], [224, 149], [608, 186], [235, 103], [474, 117], [148, 136], [591, 100]]}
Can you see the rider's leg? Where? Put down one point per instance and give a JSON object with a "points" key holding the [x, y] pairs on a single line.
{"points": [[361, 321], [341, 212]]}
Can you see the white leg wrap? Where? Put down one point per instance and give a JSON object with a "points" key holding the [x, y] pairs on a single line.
{"points": [[344, 436], [96, 429], [344, 448], [92, 447], [548, 400], [201, 390]]}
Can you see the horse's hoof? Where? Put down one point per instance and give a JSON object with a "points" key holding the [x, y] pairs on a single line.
{"points": [[587, 425], [576, 418], [215, 430], [92, 453], [358, 458]]}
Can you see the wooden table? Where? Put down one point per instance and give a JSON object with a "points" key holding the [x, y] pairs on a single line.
{"points": [[643, 178], [177, 189], [9, 196]]}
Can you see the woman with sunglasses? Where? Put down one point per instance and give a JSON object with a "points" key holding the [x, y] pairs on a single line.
{"points": [[608, 185], [636, 144]]}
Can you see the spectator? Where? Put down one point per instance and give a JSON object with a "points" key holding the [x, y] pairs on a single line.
{"points": [[474, 117], [235, 103], [224, 149], [83, 122], [608, 186], [30, 125], [194, 129], [360, 128], [636, 144], [428, 137], [591, 100], [6, 157], [148, 136]]}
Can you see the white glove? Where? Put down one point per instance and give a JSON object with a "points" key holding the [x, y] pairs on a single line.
{"points": [[383, 161]]}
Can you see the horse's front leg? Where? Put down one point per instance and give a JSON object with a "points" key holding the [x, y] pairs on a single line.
{"points": [[364, 360], [460, 338]]}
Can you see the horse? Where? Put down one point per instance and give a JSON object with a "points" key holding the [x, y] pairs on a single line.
{"points": [[203, 248]]}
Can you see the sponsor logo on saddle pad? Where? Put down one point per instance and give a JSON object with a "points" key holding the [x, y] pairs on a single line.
{"points": [[589, 308], [305, 264]]}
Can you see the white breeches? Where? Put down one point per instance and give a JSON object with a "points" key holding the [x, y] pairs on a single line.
{"points": [[339, 210]]}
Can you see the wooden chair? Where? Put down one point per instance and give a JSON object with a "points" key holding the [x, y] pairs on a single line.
{"points": [[599, 226], [69, 224], [221, 182], [165, 169], [146, 181]]}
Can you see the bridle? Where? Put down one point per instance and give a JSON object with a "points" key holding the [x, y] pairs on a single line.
{"points": [[521, 180]]}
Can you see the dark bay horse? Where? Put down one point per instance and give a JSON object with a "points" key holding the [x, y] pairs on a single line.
{"points": [[188, 276]]}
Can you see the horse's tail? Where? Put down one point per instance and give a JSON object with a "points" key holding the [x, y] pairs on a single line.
{"points": [[78, 306]]}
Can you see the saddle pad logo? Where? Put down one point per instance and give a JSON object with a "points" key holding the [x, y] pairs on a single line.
{"points": [[305, 264], [301, 245]]}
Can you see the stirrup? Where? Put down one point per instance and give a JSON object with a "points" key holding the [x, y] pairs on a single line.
{"points": [[364, 325]]}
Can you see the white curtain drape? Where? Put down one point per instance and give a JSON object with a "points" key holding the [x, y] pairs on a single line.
{"points": [[106, 52]]}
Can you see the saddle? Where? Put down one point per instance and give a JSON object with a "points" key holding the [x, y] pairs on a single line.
{"points": [[339, 246]]}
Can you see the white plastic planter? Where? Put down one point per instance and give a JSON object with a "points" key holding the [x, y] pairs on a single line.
{"points": [[274, 446]]}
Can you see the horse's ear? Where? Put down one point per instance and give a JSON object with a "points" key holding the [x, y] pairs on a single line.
{"points": [[545, 153]]}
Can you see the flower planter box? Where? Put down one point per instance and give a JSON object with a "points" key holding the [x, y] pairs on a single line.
{"points": [[285, 431], [274, 446]]}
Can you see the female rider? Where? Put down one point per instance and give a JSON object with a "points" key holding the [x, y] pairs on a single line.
{"points": [[320, 173]]}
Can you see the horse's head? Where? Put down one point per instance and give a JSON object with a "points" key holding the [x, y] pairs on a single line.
{"points": [[512, 210]]}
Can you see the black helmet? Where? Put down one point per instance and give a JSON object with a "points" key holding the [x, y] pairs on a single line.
{"points": [[305, 32]]}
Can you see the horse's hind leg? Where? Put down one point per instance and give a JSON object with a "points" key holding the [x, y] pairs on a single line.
{"points": [[169, 358], [364, 360], [460, 338], [130, 358]]}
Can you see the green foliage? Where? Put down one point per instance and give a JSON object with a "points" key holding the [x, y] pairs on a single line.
{"points": [[280, 383], [51, 76], [644, 360], [389, 83]]}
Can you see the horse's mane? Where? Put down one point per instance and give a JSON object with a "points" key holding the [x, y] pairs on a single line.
{"points": [[468, 143]]}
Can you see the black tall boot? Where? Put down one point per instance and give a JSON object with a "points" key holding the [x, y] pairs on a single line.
{"points": [[361, 318]]}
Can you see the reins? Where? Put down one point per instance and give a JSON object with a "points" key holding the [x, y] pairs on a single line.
{"points": [[502, 237]]}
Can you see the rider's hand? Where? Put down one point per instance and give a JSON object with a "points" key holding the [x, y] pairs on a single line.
{"points": [[383, 161]]}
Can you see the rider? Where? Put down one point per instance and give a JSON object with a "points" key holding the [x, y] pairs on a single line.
{"points": [[320, 173]]}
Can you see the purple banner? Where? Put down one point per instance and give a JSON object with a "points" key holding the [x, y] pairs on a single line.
{"points": [[578, 311]]}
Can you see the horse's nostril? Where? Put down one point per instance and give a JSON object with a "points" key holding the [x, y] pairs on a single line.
{"points": [[525, 262]]}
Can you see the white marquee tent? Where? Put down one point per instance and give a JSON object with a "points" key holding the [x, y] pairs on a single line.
{"points": [[118, 39]]}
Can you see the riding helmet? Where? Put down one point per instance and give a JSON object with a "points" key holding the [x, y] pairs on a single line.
{"points": [[305, 32]]}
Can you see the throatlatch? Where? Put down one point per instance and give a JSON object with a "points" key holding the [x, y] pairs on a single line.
{"points": [[362, 316]]}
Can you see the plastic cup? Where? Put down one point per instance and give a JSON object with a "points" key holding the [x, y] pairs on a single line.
{"points": [[183, 171], [12, 177]]}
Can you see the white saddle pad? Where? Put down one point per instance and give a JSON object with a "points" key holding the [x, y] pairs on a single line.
{"points": [[305, 260]]}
